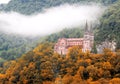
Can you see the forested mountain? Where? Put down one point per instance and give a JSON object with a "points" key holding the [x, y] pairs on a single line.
{"points": [[107, 30], [13, 46], [65, 33], [36, 6], [110, 25], [43, 66]]}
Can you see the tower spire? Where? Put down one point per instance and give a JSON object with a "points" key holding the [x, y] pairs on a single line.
{"points": [[86, 27], [91, 28]]}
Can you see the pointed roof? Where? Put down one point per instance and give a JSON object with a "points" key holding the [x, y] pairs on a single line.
{"points": [[91, 29], [86, 27]]}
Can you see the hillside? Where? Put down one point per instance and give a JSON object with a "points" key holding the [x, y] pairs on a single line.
{"points": [[65, 33], [36, 6], [107, 30], [43, 66], [13, 46], [110, 25], [23, 63]]}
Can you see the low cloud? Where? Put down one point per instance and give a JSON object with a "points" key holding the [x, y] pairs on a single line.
{"points": [[4, 1], [51, 20]]}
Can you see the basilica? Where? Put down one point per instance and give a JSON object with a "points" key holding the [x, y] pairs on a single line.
{"points": [[86, 43]]}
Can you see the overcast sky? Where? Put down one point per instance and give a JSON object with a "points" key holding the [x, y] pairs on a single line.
{"points": [[4, 1]]}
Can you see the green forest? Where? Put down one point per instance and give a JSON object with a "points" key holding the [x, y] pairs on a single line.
{"points": [[65, 33], [35, 6], [110, 25], [13, 46]]}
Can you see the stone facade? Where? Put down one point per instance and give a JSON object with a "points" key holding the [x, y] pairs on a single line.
{"points": [[86, 43]]}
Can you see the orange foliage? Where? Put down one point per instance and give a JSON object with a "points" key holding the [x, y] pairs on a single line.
{"points": [[115, 81], [67, 79], [47, 82], [42, 65], [107, 65]]}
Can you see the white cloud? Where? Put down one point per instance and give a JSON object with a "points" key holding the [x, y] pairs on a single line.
{"points": [[52, 20], [4, 1]]}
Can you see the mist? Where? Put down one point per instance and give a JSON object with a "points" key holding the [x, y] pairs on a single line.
{"points": [[51, 20], [4, 1]]}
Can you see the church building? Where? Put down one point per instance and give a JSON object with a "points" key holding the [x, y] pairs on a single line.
{"points": [[86, 43]]}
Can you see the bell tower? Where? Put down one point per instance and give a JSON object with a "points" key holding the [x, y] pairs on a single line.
{"points": [[88, 38], [86, 32]]}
